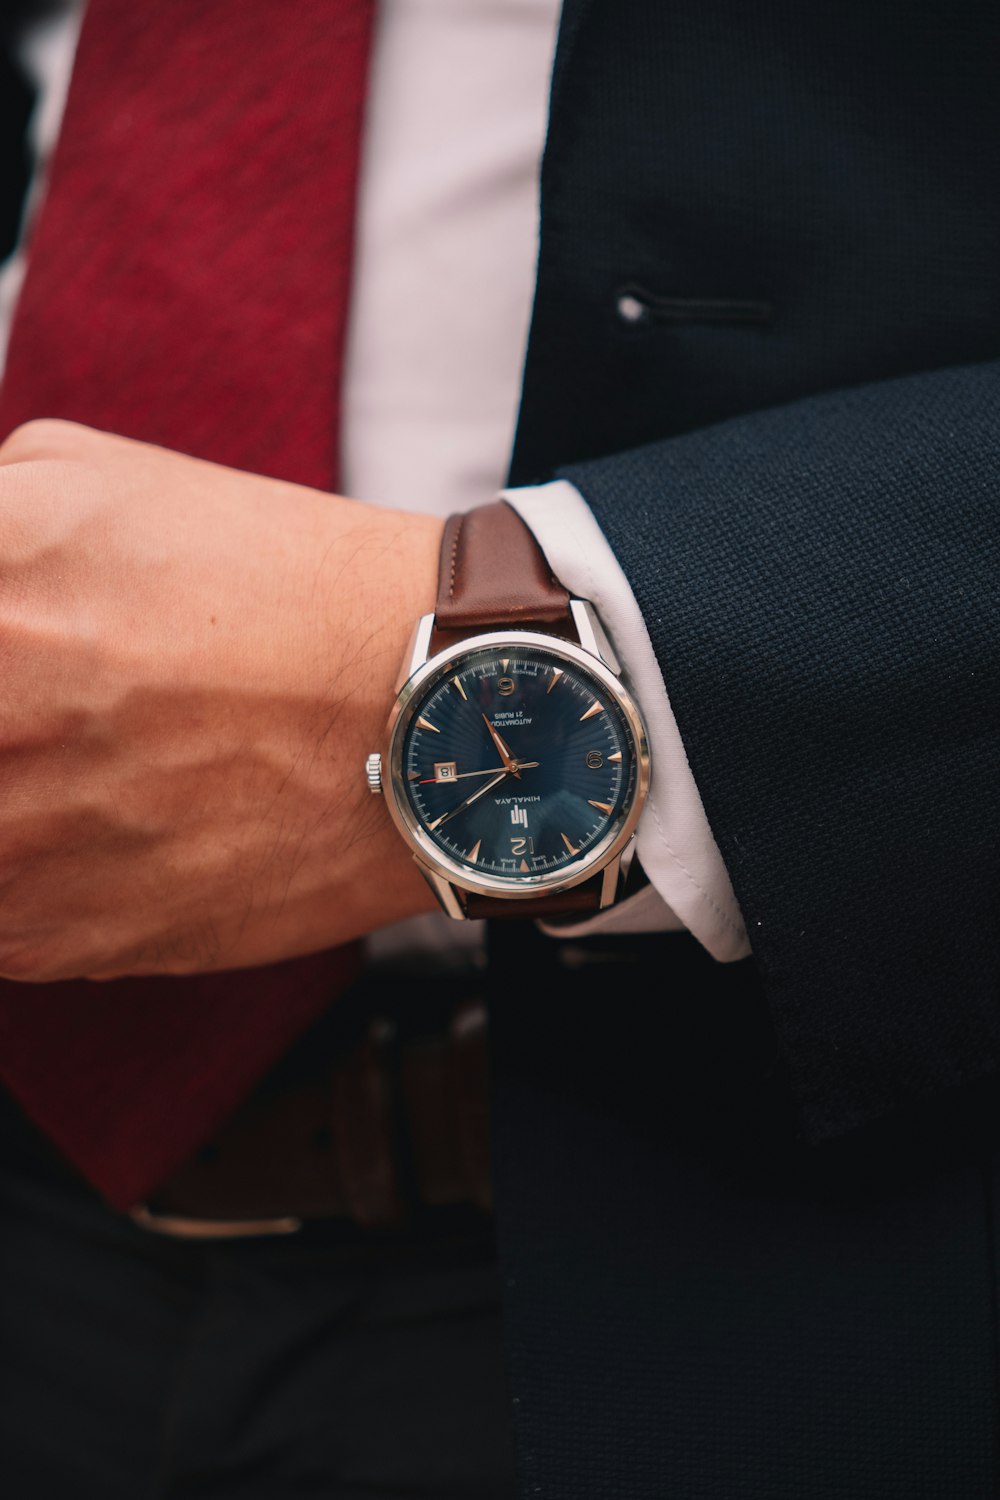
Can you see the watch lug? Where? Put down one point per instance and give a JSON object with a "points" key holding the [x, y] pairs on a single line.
{"points": [[590, 633], [444, 891], [627, 856], [615, 874], [418, 651], [610, 882]]}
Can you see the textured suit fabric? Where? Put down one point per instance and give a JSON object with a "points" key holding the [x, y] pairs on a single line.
{"points": [[698, 1303], [819, 580], [747, 1214], [827, 619], [188, 285]]}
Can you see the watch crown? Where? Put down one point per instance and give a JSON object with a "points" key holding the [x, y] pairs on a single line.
{"points": [[373, 770]]}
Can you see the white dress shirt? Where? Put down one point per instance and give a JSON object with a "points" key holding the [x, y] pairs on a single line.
{"points": [[444, 276]]}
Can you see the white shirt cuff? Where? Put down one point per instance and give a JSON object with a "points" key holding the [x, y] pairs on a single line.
{"points": [[689, 885]]}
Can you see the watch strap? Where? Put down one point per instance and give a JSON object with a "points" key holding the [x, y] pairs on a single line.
{"points": [[493, 573]]}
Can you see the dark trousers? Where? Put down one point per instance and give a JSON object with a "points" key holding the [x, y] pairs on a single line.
{"points": [[701, 1306], [326, 1364]]}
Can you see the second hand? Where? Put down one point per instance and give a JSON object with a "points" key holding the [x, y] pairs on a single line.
{"points": [[522, 765]]}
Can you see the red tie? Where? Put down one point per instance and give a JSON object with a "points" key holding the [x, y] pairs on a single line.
{"points": [[188, 285]]}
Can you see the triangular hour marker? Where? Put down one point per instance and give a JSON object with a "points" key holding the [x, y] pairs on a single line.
{"points": [[524, 865], [556, 674], [433, 825], [604, 807], [473, 853], [595, 708], [505, 663], [616, 757], [571, 847], [426, 724], [460, 688], [413, 775]]}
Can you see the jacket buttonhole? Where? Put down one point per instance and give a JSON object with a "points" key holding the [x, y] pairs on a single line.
{"points": [[636, 305]]}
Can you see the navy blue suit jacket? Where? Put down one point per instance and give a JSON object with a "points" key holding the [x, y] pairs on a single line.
{"points": [[747, 1214]]}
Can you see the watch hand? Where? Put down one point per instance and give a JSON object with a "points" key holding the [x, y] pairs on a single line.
{"points": [[479, 792], [502, 747], [522, 765]]}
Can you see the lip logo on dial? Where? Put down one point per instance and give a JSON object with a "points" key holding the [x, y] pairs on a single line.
{"points": [[518, 763]]}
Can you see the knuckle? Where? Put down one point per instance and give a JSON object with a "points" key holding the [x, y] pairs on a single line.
{"points": [[42, 437]]}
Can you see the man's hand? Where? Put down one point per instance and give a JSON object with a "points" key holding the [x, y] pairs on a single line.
{"points": [[194, 663]]}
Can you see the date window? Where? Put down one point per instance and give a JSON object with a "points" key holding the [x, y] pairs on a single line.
{"points": [[445, 770]]}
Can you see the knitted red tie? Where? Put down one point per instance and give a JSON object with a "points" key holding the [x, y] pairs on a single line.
{"points": [[187, 285]]}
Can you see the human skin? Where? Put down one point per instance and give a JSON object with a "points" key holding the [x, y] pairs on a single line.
{"points": [[195, 663]]}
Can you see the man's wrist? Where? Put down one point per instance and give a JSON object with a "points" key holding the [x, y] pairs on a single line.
{"points": [[379, 580]]}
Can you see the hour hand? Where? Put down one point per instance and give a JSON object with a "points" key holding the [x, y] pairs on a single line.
{"points": [[503, 749]]}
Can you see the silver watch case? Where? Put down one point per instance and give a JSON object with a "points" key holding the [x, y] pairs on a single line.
{"points": [[449, 879]]}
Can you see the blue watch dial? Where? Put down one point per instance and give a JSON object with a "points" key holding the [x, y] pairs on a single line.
{"points": [[518, 763]]}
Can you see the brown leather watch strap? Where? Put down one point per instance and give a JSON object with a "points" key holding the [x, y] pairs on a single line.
{"points": [[493, 573]]}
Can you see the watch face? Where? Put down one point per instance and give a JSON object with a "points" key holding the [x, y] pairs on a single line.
{"points": [[517, 762]]}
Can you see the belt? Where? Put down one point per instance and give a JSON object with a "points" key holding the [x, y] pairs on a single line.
{"points": [[378, 1115]]}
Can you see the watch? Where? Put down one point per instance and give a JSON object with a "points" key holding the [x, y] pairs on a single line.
{"points": [[516, 762]]}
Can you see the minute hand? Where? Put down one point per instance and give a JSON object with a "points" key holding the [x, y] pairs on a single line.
{"points": [[503, 748], [479, 792]]}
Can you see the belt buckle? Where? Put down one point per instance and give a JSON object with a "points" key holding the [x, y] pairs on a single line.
{"points": [[177, 1227]]}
